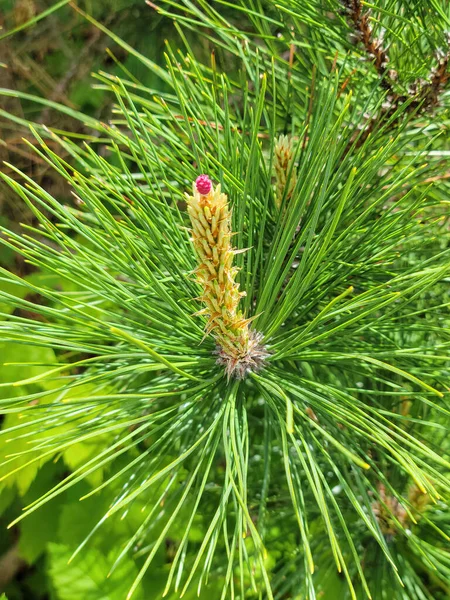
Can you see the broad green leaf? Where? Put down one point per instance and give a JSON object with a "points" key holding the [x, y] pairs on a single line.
{"points": [[39, 528], [15, 289], [87, 576], [16, 452], [23, 361]]}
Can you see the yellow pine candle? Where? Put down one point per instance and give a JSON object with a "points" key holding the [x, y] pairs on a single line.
{"points": [[239, 348]]}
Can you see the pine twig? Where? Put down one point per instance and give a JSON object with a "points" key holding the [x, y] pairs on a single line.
{"points": [[421, 95], [430, 92], [374, 46]]}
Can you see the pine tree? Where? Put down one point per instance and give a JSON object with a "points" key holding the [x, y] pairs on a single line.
{"points": [[247, 372]]}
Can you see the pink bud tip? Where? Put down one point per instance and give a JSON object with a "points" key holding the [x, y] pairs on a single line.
{"points": [[203, 184]]}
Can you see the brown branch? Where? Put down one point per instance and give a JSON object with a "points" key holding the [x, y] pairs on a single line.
{"points": [[430, 92], [291, 59], [152, 5], [442, 177], [421, 95], [374, 47], [28, 155], [10, 565]]}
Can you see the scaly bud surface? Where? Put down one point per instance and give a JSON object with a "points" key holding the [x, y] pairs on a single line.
{"points": [[285, 173], [239, 349], [203, 184]]}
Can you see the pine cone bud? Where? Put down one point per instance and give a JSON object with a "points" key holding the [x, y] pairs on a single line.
{"points": [[203, 185]]}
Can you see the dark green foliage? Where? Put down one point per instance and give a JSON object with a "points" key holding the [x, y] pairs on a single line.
{"points": [[325, 475]]}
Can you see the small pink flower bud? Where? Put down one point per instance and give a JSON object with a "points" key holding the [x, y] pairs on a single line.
{"points": [[203, 185]]}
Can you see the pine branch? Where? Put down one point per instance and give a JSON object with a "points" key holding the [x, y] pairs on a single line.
{"points": [[341, 441], [362, 32], [422, 95]]}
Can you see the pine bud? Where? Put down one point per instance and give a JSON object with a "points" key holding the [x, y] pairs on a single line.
{"points": [[238, 348], [285, 172]]}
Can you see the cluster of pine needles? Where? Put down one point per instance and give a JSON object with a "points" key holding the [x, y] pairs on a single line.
{"points": [[267, 356]]}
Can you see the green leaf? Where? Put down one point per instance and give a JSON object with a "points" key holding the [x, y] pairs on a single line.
{"points": [[15, 444], [22, 361], [87, 576], [15, 289], [15, 455], [7, 495], [40, 527]]}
